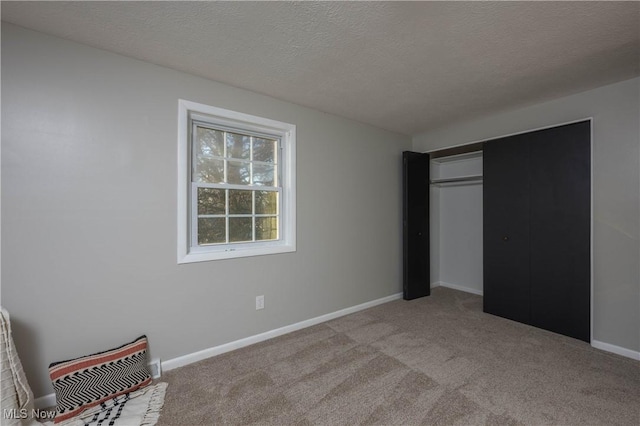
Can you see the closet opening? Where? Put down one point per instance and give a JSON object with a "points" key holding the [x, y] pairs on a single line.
{"points": [[509, 219], [456, 227]]}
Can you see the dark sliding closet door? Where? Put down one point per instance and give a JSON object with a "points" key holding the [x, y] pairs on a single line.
{"points": [[415, 221], [561, 230], [537, 229], [506, 228]]}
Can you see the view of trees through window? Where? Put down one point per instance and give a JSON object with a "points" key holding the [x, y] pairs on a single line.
{"points": [[236, 190]]}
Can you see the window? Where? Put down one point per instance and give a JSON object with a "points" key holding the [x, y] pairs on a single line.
{"points": [[236, 184]]}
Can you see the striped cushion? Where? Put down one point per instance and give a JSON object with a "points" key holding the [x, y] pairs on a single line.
{"points": [[84, 382]]}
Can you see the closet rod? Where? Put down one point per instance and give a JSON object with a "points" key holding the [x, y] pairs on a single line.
{"points": [[457, 179]]}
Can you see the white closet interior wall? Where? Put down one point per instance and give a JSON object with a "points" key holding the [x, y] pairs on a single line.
{"points": [[456, 224]]}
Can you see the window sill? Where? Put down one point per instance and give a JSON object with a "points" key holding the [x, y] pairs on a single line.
{"points": [[222, 254]]}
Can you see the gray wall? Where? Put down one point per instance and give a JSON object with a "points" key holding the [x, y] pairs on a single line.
{"points": [[89, 211], [616, 192]]}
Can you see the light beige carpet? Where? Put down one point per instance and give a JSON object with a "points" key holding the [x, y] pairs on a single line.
{"points": [[437, 360]]}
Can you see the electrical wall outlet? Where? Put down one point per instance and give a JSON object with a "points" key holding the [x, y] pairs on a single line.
{"points": [[155, 368], [259, 302]]}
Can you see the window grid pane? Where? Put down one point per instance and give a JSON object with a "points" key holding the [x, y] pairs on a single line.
{"points": [[263, 147], [226, 219], [210, 232], [223, 162], [243, 218], [240, 229], [213, 151], [253, 208], [211, 201], [266, 228]]}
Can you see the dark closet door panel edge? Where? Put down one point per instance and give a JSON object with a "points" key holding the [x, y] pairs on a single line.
{"points": [[416, 280]]}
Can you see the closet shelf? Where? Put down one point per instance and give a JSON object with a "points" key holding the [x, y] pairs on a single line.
{"points": [[474, 178]]}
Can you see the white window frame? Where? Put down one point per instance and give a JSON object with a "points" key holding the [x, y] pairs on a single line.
{"points": [[189, 252]]}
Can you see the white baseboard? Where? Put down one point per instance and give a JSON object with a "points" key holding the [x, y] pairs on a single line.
{"points": [[181, 361], [456, 287], [616, 349]]}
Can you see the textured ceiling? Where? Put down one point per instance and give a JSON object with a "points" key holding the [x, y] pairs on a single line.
{"points": [[402, 66]]}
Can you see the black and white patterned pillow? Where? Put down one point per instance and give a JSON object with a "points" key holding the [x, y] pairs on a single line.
{"points": [[87, 381]]}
